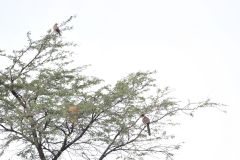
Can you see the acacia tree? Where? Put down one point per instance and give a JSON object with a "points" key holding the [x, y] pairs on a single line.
{"points": [[38, 86]]}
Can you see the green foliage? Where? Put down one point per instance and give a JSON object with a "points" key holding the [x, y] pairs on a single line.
{"points": [[38, 86]]}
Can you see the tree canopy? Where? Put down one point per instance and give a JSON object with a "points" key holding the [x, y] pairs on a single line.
{"points": [[52, 108]]}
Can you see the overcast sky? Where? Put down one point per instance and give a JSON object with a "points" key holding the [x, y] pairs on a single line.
{"points": [[193, 45]]}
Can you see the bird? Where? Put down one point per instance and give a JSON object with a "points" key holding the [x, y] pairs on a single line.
{"points": [[73, 113], [73, 109], [146, 121], [56, 29]]}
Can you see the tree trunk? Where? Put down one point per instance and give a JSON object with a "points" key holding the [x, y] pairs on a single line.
{"points": [[40, 152]]}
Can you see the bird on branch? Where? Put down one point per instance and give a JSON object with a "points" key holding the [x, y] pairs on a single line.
{"points": [[146, 121], [56, 29], [73, 111]]}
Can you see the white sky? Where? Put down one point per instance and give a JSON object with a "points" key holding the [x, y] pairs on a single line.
{"points": [[193, 45]]}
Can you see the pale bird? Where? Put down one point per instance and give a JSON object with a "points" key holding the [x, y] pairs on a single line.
{"points": [[73, 113]]}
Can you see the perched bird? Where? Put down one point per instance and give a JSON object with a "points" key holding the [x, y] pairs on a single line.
{"points": [[56, 29], [73, 113], [73, 109], [146, 121]]}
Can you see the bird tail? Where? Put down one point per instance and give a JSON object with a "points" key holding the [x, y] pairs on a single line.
{"points": [[148, 128]]}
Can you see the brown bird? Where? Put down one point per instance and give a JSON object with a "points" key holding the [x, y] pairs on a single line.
{"points": [[146, 121], [73, 109], [56, 29], [73, 113]]}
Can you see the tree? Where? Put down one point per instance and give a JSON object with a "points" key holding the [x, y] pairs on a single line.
{"points": [[52, 108]]}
